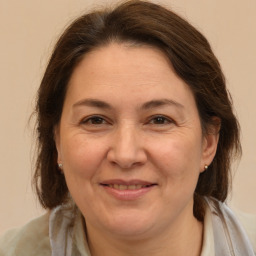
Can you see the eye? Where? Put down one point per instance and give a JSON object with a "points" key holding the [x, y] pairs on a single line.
{"points": [[94, 120], [160, 120]]}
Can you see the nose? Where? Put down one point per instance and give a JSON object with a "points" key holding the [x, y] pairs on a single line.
{"points": [[127, 148]]}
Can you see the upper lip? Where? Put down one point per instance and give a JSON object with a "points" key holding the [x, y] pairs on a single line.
{"points": [[127, 182]]}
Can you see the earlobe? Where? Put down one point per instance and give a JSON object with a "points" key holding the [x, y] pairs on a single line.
{"points": [[210, 144], [57, 142]]}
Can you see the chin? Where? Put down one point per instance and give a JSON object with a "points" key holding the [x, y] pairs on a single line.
{"points": [[131, 226]]}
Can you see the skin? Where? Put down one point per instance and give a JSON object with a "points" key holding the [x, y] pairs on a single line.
{"points": [[128, 116]]}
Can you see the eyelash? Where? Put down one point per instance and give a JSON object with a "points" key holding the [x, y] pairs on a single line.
{"points": [[166, 120], [90, 120], [99, 120]]}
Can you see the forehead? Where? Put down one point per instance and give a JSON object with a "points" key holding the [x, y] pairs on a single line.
{"points": [[129, 72], [123, 59]]}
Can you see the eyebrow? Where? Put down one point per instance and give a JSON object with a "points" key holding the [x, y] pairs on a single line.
{"points": [[145, 106], [160, 103], [93, 103]]}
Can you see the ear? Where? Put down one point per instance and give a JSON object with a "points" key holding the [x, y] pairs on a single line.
{"points": [[57, 142], [210, 143]]}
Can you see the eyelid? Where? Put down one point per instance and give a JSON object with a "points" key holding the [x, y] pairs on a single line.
{"points": [[168, 119], [85, 120], [106, 120]]}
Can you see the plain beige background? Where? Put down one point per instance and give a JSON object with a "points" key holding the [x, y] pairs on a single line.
{"points": [[28, 30]]}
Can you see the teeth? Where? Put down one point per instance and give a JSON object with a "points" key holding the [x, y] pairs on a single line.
{"points": [[123, 187], [129, 187], [132, 187], [115, 186]]}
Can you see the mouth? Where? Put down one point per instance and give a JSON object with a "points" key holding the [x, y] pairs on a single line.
{"points": [[128, 187], [127, 190]]}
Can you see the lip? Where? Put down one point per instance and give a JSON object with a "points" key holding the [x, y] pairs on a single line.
{"points": [[127, 194], [127, 182]]}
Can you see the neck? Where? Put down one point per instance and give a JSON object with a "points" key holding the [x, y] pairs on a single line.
{"points": [[184, 239]]}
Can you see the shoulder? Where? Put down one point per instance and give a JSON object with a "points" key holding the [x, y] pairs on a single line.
{"points": [[232, 229], [248, 222], [29, 240]]}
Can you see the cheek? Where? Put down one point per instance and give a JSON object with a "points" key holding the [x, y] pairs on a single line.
{"points": [[178, 157], [179, 164], [81, 157]]}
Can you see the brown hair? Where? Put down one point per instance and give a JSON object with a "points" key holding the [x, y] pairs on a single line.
{"points": [[143, 23]]}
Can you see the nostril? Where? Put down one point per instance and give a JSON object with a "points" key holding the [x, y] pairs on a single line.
{"points": [[126, 152], [124, 163]]}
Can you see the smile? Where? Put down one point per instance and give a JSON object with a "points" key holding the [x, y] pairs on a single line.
{"points": [[126, 187], [127, 190]]}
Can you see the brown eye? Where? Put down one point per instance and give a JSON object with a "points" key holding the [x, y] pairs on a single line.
{"points": [[160, 120], [94, 120]]}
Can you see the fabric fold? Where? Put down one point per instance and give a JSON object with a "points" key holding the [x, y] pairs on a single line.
{"points": [[230, 238]]}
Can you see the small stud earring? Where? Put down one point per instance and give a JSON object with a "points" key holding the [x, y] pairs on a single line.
{"points": [[205, 167], [60, 165]]}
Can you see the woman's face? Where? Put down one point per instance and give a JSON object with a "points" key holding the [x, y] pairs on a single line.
{"points": [[130, 141]]}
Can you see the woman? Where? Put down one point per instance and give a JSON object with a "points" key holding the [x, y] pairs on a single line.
{"points": [[136, 135]]}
